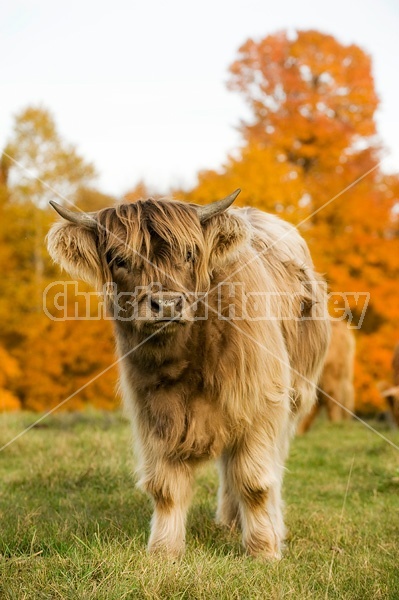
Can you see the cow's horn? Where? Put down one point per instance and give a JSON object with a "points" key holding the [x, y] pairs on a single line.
{"points": [[206, 212], [83, 219]]}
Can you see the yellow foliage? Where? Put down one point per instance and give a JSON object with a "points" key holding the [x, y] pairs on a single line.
{"points": [[8, 401], [9, 370]]}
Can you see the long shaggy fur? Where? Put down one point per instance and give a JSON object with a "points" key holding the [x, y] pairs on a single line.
{"points": [[217, 385]]}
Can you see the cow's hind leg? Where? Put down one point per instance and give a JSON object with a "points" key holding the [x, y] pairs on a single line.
{"points": [[170, 487]]}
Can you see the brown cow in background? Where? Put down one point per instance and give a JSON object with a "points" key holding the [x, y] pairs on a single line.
{"points": [[395, 365], [391, 393], [337, 378]]}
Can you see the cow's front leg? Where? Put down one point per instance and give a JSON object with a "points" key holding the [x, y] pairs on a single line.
{"points": [[227, 513], [254, 469], [262, 520], [169, 485]]}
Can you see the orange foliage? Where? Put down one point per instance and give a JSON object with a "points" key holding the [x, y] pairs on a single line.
{"points": [[66, 356], [8, 372]]}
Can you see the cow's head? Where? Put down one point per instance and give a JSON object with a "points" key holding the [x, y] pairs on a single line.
{"points": [[153, 255], [391, 395]]}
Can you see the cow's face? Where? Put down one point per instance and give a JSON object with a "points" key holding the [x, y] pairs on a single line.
{"points": [[155, 258], [155, 265]]}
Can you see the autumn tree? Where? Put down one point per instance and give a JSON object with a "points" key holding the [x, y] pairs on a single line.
{"points": [[41, 163], [311, 153], [90, 199], [53, 358], [9, 371]]}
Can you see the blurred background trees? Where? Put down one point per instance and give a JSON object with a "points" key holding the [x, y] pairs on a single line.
{"points": [[42, 361], [310, 153]]}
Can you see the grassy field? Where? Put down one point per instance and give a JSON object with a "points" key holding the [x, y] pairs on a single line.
{"points": [[74, 526]]}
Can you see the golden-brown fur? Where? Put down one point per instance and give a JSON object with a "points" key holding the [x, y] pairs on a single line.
{"points": [[210, 385], [336, 390]]}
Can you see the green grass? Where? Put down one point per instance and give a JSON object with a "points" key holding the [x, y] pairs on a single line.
{"points": [[74, 526]]}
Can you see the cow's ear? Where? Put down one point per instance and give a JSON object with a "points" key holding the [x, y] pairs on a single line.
{"points": [[225, 235], [74, 248]]}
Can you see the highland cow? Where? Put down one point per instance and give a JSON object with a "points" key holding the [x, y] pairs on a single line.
{"points": [[391, 393], [203, 374]]}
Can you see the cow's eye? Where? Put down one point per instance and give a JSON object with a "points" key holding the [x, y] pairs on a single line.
{"points": [[190, 256], [116, 262], [120, 263]]}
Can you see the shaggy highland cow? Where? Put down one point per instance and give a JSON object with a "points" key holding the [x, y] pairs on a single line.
{"points": [[336, 390], [205, 374]]}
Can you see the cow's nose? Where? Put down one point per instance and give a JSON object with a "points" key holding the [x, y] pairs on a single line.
{"points": [[166, 306]]}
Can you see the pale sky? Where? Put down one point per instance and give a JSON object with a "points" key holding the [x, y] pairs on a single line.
{"points": [[139, 86]]}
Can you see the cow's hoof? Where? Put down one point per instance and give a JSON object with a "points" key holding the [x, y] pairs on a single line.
{"points": [[266, 554], [267, 557], [166, 551]]}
